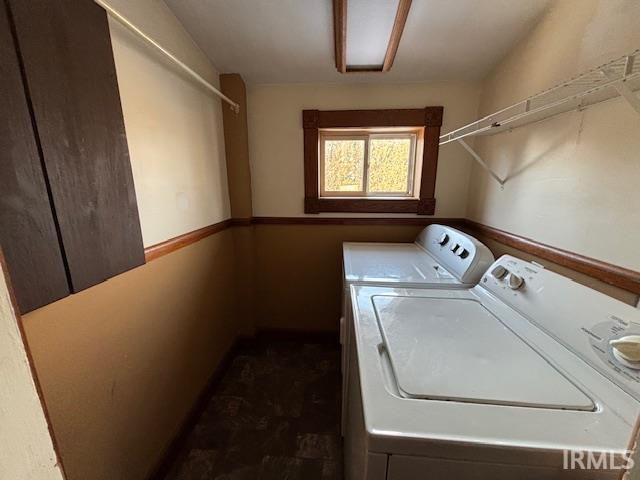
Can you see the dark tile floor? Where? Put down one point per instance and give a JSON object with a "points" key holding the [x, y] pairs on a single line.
{"points": [[274, 415]]}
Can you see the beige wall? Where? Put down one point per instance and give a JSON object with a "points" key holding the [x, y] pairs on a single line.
{"points": [[275, 137], [498, 249], [298, 271], [173, 125], [579, 172], [26, 447], [122, 363]]}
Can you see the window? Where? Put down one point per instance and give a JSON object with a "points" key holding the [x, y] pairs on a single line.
{"points": [[371, 160], [376, 163]]}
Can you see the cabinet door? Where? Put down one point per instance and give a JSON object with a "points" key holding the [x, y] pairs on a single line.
{"points": [[27, 230], [66, 50]]}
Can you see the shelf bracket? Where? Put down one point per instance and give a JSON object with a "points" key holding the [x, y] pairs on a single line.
{"points": [[482, 163], [620, 87], [631, 98]]}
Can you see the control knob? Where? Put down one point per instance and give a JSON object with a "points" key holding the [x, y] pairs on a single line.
{"points": [[514, 281], [499, 272], [627, 350], [444, 238]]}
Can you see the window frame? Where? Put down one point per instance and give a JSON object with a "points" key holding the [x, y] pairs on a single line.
{"points": [[413, 134], [426, 120]]}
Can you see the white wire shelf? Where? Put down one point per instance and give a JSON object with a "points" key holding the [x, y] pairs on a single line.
{"points": [[619, 77]]}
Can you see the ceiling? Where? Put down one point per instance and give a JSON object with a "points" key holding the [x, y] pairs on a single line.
{"points": [[291, 41]]}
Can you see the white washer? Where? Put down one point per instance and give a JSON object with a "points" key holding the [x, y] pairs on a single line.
{"points": [[440, 257], [492, 382]]}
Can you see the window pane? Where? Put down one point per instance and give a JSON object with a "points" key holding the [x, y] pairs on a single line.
{"points": [[389, 164], [343, 165]]}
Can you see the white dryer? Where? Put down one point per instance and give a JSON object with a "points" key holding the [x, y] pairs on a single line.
{"points": [[525, 375], [440, 257]]}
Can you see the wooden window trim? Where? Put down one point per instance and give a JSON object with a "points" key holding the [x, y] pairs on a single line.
{"points": [[429, 118]]}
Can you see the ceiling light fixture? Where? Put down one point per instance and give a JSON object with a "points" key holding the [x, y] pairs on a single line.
{"points": [[340, 38]]}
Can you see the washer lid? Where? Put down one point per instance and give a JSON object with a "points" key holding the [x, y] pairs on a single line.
{"points": [[456, 349], [393, 263]]}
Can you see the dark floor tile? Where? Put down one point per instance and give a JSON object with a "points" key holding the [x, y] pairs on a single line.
{"points": [[280, 468], [318, 423], [206, 435], [229, 413], [321, 408], [280, 395], [290, 468], [249, 446], [224, 406], [274, 415], [197, 465], [314, 445], [331, 470], [238, 472], [312, 469]]}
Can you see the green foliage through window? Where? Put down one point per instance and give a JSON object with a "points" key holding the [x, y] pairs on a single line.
{"points": [[344, 165], [389, 164], [369, 164]]}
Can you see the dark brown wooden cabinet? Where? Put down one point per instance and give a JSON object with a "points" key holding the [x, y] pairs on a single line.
{"points": [[27, 226], [78, 184]]}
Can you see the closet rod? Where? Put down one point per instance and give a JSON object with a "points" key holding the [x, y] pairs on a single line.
{"points": [[192, 73]]}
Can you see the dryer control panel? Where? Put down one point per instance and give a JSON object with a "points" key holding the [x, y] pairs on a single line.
{"points": [[461, 254], [603, 331]]}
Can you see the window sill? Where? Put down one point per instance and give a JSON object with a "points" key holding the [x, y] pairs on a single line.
{"points": [[370, 205]]}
